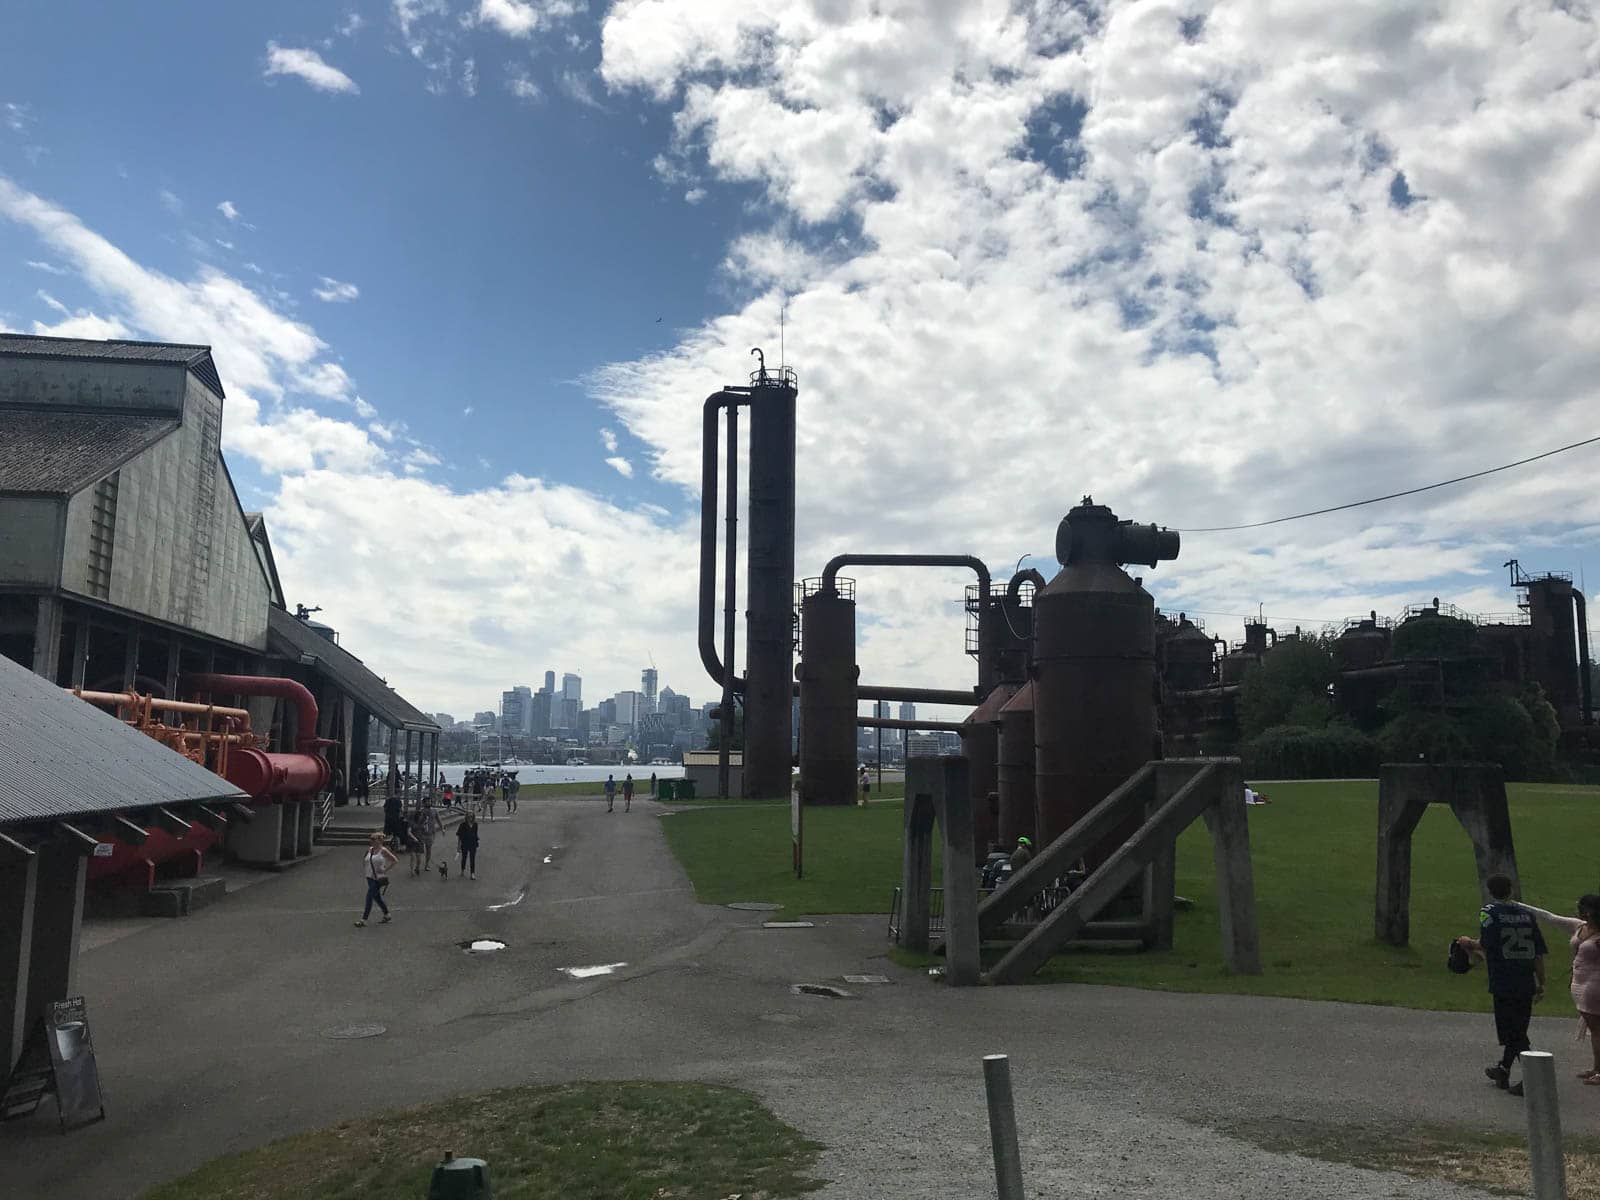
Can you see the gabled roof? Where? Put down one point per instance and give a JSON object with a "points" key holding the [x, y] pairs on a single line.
{"points": [[256, 524], [294, 639], [197, 358], [52, 452], [61, 757]]}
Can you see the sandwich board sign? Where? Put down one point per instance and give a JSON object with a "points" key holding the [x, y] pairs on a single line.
{"points": [[58, 1060]]}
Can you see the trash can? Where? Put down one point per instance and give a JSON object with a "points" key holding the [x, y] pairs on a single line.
{"points": [[684, 788], [664, 789], [461, 1179]]}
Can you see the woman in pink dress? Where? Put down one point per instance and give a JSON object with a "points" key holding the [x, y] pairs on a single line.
{"points": [[1585, 931]]}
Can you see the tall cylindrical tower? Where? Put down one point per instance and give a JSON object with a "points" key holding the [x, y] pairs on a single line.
{"points": [[1094, 670], [828, 674], [769, 619]]}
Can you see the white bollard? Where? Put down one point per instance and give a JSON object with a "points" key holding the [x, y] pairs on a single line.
{"points": [[1003, 1126], [1544, 1125]]}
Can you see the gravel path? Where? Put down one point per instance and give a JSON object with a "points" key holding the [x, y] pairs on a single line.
{"points": [[210, 1035]]}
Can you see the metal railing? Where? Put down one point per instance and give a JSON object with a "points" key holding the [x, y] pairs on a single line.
{"points": [[1042, 906]]}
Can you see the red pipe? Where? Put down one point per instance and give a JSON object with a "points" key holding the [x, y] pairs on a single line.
{"points": [[306, 739]]}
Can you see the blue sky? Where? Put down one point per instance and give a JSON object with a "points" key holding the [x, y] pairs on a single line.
{"points": [[1149, 251]]}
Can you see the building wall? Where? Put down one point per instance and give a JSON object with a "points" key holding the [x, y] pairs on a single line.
{"points": [[156, 387], [30, 548], [182, 552]]}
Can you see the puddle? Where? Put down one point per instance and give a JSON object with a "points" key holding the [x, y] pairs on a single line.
{"points": [[755, 906], [591, 972], [547, 859], [482, 945], [788, 925], [342, 1032], [819, 989]]}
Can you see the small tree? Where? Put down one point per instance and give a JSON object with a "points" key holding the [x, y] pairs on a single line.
{"points": [[1288, 688]]}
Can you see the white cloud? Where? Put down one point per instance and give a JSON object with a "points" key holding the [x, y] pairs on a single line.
{"points": [[469, 77], [576, 87], [228, 209], [47, 268], [467, 411], [520, 18], [171, 202], [608, 439], [694, 195], [621, 466], [17, 117], [351, 25], [309, 66], [335, 292], [520, 85], [224, 243]]}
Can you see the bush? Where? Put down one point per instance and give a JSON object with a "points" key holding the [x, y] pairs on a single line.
{"points": [[1434, 637], [1290, 687], [1334, 751]]}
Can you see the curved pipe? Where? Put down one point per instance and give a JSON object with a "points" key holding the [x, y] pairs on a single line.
{"points": [[907, 560], [1014, 588], [709, 444], [1583, 657], [306, 739]]}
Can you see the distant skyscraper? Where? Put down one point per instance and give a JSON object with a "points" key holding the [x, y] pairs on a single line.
{"points": [[648, 680], [908, 712], [550, 682], [516, 710], [572, 687]]}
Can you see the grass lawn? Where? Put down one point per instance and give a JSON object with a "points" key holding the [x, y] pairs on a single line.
{"points": [[580, 1141], [1315, 857]]}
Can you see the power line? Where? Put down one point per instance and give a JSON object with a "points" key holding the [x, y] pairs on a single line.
{"points": [[1521, 462]]}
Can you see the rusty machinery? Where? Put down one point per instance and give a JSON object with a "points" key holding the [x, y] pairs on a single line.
{"points": [[1094, 666]]}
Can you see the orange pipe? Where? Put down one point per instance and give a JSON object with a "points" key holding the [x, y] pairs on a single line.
{"points": [[135, 701]]}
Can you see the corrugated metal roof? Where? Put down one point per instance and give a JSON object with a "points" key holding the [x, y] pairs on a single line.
{"points": [[291, 637], [61, 453], [61, 756], [197, 358]]}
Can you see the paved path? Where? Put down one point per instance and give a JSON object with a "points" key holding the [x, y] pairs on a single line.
{"points": [[210, 1034]]}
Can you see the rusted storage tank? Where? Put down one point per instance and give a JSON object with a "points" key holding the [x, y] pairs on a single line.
{"points": [[1094, 666], [1186, 657], [1016, 767], [827, 673], [1363, 644], [980, 743], [1005, 630]]}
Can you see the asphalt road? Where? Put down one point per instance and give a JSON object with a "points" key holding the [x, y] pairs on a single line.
{"points": [[211, 1034]]}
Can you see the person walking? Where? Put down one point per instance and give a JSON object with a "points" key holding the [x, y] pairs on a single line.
{"points": [[627, 793], [467, 841], [611, 792], [428, 827], [513, 787], [653, 792], [491, 792], [393, 824], [866, 787], [1585, 941], [1513, 951], [413, 839], [376, 862]]}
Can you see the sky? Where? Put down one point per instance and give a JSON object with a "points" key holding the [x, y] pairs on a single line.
{"points": [[469, 268]]}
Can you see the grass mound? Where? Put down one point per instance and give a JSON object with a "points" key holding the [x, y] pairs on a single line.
{"points": [[580, 1141]]}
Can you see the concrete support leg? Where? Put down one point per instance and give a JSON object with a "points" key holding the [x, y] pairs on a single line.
{"points": [[288, 830], [47, 637], [130, 659], [916, 875], [256, 843], [19, 880], [305, 827], [956, 819], [1478, 800], [1236, 886], [1404, 792], [57, 919], [80, 650]]}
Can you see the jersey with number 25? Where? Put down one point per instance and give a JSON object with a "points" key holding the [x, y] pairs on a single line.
{"points": [[1511, 942]]}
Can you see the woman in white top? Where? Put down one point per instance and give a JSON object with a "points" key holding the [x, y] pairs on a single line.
{"points": [[378, 860]]}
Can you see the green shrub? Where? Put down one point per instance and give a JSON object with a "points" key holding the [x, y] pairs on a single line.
{"points": [[1333, 751], [1434, 637], [1290, 687]]}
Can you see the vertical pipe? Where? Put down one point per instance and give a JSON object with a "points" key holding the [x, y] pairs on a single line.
{"points": [[1544, 1125], [1003, 1127], [1585, 681], [729, 613]]}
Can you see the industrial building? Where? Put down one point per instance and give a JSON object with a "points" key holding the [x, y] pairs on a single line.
{"points": [[129, 568]]}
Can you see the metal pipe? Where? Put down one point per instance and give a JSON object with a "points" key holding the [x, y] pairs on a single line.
{"points": [[1003, 1127], [708, 532], [882, 723], [306, 739], [1585, 683], [1544, 1125], [135, 700], [912, 695], [730, 611], [1030, 575], [907, 560]]}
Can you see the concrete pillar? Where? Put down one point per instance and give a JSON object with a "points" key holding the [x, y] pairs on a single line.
{"points": [[288, 829], [18, 887], [130, 659], [916, 875], [47, 637], [80, 650], [960, 875], [256, 843], [1227, 820], [57, 920], [305, 827]]}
